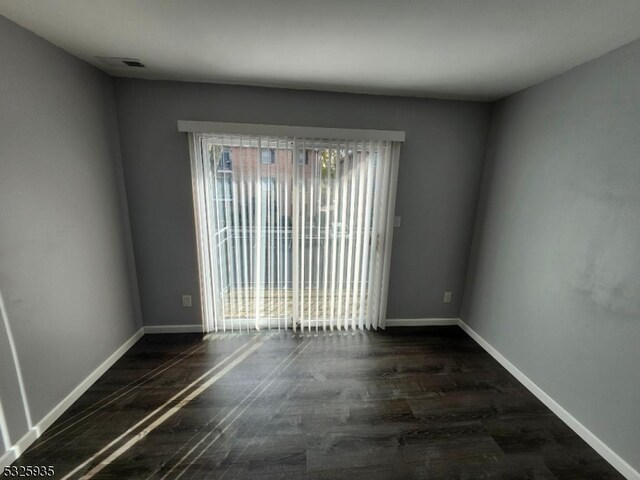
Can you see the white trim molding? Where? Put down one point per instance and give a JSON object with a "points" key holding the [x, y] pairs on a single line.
{"points": [[289, 131], [421, 322], [37, 430], [598, 445], [27, 439], [7, 458], [194, 328]]}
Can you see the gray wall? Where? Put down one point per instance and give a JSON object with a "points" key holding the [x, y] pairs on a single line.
{"points": [[64, 241], [554, 281], [440, 171]]}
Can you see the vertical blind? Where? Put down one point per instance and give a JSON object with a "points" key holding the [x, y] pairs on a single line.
{"points": [[293, 232]]}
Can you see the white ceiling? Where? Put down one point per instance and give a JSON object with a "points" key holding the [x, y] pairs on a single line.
{"points": [[468, 49]]}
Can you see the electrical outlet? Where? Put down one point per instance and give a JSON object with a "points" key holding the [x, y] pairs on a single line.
{"points": [[186, 300], [397, 221], [447, 297]]}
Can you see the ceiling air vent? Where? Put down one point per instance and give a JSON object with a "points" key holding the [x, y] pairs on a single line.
{"points": [[121, 62]]}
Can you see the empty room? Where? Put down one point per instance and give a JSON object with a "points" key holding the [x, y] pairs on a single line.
{"points": [[276, 239]]}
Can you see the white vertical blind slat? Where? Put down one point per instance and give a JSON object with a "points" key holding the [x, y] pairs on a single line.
{"points": [[218, 238], [295, 237], [247, 158], [259, 266], [236, 242], [394, 154], [352, 243], [303, 224], [318, 238], [375, 240], [383, 203], [290, 158], [309, 235], [367, 239], [278, 242], [334, 238], [269, 235], [344, 195], [203, 219], [364, 161], [327, 210], [245, 231]]}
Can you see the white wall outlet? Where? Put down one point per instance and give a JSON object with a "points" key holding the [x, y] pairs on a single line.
{"points": [[186, 300], [397, 221], [447, 297]]}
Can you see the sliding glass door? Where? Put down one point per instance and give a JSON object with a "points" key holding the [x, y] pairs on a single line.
{"points": [[293, 232]]}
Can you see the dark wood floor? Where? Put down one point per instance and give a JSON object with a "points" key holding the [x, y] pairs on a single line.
{"points": [[405, 403]]}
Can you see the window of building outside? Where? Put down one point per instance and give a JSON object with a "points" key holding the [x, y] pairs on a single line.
{"points": [[225, 160], [267, 156]]}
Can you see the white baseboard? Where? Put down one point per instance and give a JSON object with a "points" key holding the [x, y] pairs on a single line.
{"points": [[420, 322], [21, 445], [7, 458], [598, 445], [32, 435], [173, 328]]}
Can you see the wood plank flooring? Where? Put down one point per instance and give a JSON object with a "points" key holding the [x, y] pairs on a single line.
{"points": [[405, 403]]}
